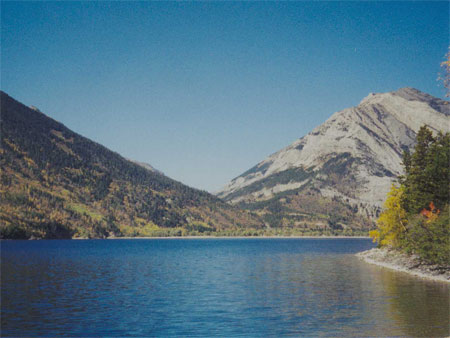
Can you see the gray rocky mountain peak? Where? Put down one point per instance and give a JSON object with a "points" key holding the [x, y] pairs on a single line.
{"points": [[354, 156]]}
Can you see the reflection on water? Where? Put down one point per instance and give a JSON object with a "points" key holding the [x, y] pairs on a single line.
{"points": [[422, 308], [213, 287]]}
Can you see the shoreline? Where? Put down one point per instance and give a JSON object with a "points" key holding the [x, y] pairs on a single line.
{"points": [[240, 237], [195, 237], [401, 262]]}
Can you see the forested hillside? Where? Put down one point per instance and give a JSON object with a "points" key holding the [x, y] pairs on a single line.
{"points": [[416, 216], [58, 184]]}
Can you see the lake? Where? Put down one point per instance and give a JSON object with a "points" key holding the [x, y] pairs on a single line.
{"points": [[212, 287]]}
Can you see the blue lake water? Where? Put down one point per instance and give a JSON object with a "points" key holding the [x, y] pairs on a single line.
{"points": [[211, 287]]}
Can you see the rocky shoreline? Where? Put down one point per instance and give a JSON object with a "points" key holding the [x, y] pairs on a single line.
{"points": [[400, 261]]}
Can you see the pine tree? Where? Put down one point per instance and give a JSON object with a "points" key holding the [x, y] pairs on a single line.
{"points": [[417, 182], [437, 170]]}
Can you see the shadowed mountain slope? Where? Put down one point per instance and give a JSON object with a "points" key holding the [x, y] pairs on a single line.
{"points": [[58, 184]]}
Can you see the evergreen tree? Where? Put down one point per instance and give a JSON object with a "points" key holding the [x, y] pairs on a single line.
{"points": [[426, 172], [437, 170], [412, 220]]}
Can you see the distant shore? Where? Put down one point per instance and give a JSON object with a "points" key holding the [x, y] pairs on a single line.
{"points": [[200, 237], [236, 237], [399, 261]]}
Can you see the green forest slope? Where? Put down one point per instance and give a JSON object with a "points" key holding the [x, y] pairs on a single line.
{"points": [[58, 184]]}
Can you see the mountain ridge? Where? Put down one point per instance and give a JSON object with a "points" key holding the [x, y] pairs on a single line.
{"points": [[59, 184], [353, 156]]}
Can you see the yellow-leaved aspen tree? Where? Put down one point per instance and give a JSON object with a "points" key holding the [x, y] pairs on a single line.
{"points": [[392, 221]]}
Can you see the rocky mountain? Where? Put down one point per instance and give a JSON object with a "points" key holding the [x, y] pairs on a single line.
{"points": [[338, 174], [56, 183]]}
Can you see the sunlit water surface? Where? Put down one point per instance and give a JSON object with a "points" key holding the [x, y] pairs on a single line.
{"points": [[211, 287]]}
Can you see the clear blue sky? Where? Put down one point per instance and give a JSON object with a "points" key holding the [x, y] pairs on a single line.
{"points": [[205, 90]]}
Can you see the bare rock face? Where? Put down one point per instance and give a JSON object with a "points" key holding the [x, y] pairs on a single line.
{"points": [[354, 156]]}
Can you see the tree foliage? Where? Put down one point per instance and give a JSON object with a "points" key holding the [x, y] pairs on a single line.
{"points": [[416, 215], [427, 172], [392, 221], [429, 237], [445, 77]]}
